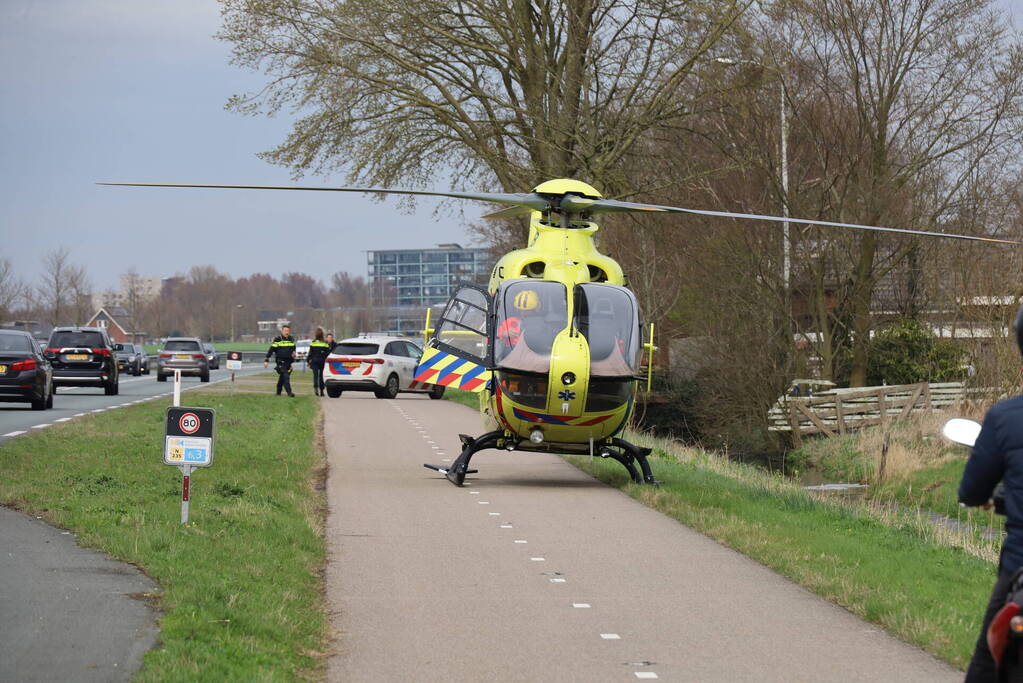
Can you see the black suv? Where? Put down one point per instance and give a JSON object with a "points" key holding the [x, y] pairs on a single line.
{"points": [[82, 356]]}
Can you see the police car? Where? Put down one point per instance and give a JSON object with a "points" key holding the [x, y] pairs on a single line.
{"points": [[381, 364]]}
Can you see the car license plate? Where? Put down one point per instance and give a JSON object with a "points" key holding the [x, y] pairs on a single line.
{"points": [[181, 356], [352, 365], [3, 368], [77, 356]]}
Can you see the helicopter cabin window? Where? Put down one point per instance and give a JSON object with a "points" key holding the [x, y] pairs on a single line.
{"points": [[608, 317], [463, 324], [529, 316]]}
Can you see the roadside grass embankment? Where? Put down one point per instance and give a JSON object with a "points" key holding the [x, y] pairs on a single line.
{"points": [[924, 583], [906, 463], [241, 588]]}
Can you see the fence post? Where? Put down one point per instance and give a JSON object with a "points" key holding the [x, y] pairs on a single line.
{"points": [[839, 414], [882, 407], [927, 397], [797, 438]]}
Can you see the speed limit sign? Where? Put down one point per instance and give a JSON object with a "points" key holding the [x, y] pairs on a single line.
{"points": [[189, 423], [189, 438]]}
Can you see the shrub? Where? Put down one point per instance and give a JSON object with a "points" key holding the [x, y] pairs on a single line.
{"points": [[905, 352]]}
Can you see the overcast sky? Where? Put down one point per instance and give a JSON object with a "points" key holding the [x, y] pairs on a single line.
{"points": [[130, 90], [134, 90]]}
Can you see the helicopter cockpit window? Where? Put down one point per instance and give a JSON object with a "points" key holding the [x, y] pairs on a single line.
{"points": [[463, 325], [608, 317], [529, 316]]}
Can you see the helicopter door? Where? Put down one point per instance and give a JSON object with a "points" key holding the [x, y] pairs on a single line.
{"points": [[458, 354]]}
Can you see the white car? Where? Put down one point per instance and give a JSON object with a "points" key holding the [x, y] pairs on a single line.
{"points": [[383, 365], [302, 349]]}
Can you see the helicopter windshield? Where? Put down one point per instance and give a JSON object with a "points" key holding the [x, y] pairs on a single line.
{"points": [[608, 316], [530, 315], [463, 325]]}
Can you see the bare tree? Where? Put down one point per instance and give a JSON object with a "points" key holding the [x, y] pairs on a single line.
{"points": [[12, 289], [53, 288], [79, 289], [511, 91]]}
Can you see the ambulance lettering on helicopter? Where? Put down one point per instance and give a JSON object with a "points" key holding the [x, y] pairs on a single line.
{"points": [[553, 344]]}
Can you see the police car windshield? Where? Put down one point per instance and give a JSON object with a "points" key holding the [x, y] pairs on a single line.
{"points": [[356, 349], [182, 345]]}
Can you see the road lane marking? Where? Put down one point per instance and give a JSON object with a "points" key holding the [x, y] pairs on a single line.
{"points": [[508, 526], [483, 502], [14, 433], [536, 559], [581, 605], [519, 540], [610, 636], [558, 580], [645, 674], [494, 514]]}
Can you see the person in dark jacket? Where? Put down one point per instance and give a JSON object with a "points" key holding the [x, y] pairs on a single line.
{"points": [[283, 351], [319, 349], [330, 341], [997, 456]]}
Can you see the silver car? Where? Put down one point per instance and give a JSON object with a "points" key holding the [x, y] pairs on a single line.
{"points": [[185, 354]]}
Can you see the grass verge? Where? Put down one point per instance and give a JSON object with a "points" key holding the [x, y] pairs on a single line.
{"points": [[924, 583], [466, 398], [241, 583]]}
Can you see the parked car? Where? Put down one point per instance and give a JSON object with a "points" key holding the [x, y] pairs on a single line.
{"points": [[211, 356], [83, 356], [302, 349], [383, 365], [25, 374], [129, 358], [185, 354]]}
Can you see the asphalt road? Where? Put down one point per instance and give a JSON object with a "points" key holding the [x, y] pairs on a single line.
{"points": [[534, 571], [71, 402]]}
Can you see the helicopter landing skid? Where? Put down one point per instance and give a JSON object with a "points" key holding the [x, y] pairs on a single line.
{"points": [[628, 454], [460, 467]]}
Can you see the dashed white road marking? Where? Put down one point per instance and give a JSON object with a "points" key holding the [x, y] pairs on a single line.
{"points": [[483, 502], [494, 514], [536, 559], [519, 540], [581, 605], [559, 580], [508, 526], [610, 636], [645, 674]]}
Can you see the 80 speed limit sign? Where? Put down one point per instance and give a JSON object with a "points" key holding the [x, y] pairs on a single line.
{"points": [[189, 437]]}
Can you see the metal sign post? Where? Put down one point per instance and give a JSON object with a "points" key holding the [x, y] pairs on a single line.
{"points": [[188, 443], [234, 362]]}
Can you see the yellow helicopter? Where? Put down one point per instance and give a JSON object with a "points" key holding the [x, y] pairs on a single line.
{"points": [[553, 344]]}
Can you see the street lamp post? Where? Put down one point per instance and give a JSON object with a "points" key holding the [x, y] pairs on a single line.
{"points": [[233, 309]]}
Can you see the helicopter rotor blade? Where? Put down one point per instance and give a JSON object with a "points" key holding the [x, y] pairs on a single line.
{"points": [[509, 212], [532, 200], [613, 205]]}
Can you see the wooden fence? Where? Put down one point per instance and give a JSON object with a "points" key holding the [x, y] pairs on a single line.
{"points": [[839, 411]]}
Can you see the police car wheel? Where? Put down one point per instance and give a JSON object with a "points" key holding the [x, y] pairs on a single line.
{"points": [[390, 390], [436, 391], [334, 392]]}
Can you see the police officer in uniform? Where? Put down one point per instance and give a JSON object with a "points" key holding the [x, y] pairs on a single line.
{"points": [[283, 349], [319, 349], [998, 457]]}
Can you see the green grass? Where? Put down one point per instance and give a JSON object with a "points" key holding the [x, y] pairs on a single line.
{"points": [[466, 398], [220, 346], [892, 568], [241, 587]]}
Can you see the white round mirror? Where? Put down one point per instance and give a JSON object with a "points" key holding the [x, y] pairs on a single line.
{"points": [[961, 431]]}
